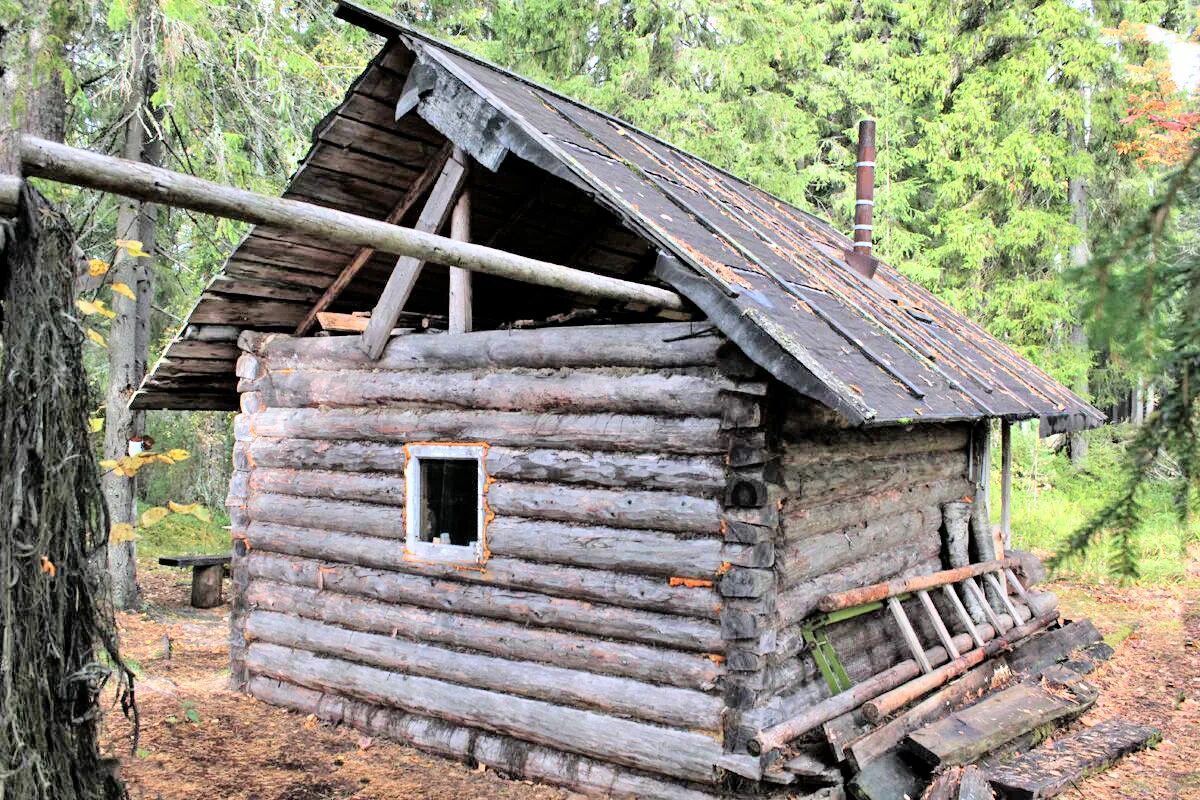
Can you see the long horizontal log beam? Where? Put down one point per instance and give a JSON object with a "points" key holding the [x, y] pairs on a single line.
{"points": [[65, 164]]}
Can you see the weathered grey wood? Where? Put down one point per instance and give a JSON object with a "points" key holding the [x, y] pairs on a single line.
{"points": [[618, 508], [495, 602], [1053, 646], [206, 585], [887, 778], [950, 698], [650, 345], [575, 391], [1006, 469], [701, 476], [367, 487], [939, 627], [372, 520], [844, 479], [910, 636], [415, 191], [572, 582], [1051, 770], [404, 275], [817, 555], [504, 754], [665, 751], [960, 611], [919, 559], [973, 785], [824, 446], [996, 720], [59, 162], [802, 518], [683, 708], [607, 548], [460, 279], [520, 640], [579, 431]]}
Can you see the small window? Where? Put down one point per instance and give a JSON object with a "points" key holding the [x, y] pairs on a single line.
{"points": [[444, 501]]}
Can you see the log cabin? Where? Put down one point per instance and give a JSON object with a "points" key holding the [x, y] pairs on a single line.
{"points": [[600, 539]]}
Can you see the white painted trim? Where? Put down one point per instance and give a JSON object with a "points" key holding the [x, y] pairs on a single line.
{"points": [[428, 551]]}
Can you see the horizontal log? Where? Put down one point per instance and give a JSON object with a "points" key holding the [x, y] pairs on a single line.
{"points": [[880, 591], [702, 476], [495, 602], [801, 518], [332, 507], [796, 603], [649, 346], [666, 751], [366, 487], [60, 162], [817, 555], [618, 508], [621, 589], [809, 448], [681, 708], [511, 640], [846, 479], [573, 391], [372, 520], [643, 552], [640, 433], [504, 754]]}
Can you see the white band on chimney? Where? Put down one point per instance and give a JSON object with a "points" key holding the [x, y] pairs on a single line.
{"points": [[864, 227], [864, 202], [864, 163], [863, 244]]}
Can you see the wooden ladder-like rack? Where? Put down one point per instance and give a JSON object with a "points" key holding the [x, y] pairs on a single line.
{"points": [[893, 688]]}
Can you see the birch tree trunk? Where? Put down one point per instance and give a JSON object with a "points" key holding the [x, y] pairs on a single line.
{"points": [[129, 333], [1080, 255]]}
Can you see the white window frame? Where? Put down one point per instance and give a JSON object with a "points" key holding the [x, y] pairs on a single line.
{"points": [[428, 551]]}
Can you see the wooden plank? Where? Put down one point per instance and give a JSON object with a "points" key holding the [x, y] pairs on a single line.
{"points": [[910, 636], [351, 323], [460, 279], [416, 190], [939, 626], [1006, 469], [1051, 770], [972, 733], [438, 207]]}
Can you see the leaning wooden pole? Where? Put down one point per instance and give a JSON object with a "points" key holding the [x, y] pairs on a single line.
{"points": [[65, 164]]}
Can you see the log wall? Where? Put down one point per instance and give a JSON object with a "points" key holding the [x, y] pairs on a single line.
{"points": [[625, 559], [858, 507]]}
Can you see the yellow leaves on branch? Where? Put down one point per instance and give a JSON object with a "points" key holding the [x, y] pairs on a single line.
{"points": [[96, 338], [133, 247], [95, 424], [178, 454], [120, 533], [90, 307], [124, 290], [97, 267]]}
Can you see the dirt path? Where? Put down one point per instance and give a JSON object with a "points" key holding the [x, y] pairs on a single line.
{"points": [[201, 740]]}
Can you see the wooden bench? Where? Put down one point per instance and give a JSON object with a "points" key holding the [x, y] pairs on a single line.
{"points": [[207, 572]]}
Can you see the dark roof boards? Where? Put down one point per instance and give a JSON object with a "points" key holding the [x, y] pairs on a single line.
{"points": [[773, 278]]}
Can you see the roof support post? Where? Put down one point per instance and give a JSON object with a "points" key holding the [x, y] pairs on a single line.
{"points": [[419, 186], [1006, 484], [408, 268], [460, 279]]}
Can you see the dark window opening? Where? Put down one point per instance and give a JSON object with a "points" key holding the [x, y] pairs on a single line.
{"points": [[450, 501]]}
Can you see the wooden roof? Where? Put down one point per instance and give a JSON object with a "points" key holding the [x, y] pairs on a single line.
{"points": [[773, 278]]}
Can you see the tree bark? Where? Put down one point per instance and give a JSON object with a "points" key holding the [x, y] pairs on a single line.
{"points": [[129, 336], [1080, 255]]}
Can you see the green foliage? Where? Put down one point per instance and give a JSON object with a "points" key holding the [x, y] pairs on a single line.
{"points": [[183, 534], [1052, 501]]}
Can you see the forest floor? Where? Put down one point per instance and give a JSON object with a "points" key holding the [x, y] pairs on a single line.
{"points": [[198, 739]]}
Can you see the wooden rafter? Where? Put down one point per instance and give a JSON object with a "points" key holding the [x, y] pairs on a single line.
{"points": [[416, 190], [404, 275]]}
